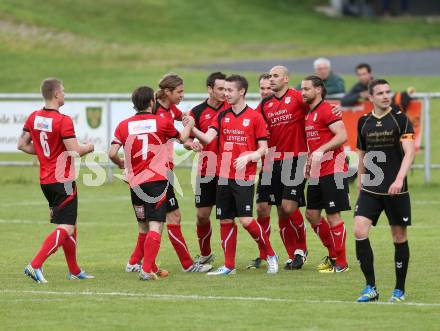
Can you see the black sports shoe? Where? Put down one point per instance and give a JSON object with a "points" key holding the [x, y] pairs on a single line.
{"points": [[255, 264], [298, 261]]}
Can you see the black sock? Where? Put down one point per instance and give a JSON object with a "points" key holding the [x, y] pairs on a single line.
{"points": [[401, 260], [364, 254]]}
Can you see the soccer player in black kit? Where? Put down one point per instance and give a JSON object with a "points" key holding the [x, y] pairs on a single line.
{"points": [[386, 152]]}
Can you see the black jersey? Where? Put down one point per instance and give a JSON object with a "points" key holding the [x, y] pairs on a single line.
{"points": [[380, 138]]}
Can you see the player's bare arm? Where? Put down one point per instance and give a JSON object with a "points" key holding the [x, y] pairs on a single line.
{"points": [[113, 154], [72, 145], [361, 167], [193, 145], [188, 123], [410, 152], [25, 143], [242, 161], [205, 138], [340, 137]]}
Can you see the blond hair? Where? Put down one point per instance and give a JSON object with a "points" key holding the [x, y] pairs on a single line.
{"points": [[49, 86], [169, 82]]}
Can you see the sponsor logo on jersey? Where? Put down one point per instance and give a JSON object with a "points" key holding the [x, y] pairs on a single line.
{"points": [[144, 126], [94, 116], [43, 123], [227, 120], [331, 204], [246, 122], [405, 219], [248, 207], [378, 124]]}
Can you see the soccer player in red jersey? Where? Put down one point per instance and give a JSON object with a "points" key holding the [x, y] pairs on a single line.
{"points": [[242, 136], [206, 180], [144, 137], [264, 85], [284, 112], [262, 195], [51, 136], [326, 167], [169, 95]]}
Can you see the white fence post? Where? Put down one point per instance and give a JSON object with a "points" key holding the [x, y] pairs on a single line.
{"points": [[427, 124], [109, 137]]}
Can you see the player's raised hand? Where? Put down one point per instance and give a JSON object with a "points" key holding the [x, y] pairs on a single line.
{"points": [[188, 121]]}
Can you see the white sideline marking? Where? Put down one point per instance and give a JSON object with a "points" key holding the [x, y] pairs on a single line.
{"points": [[211, 297], [426, 202]]}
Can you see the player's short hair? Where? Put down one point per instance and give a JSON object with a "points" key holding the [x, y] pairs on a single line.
{"points": [[317, 82], [264, 75], [170, 82], [364, 65], [374, 83], [49, 86], [210, 81], [141, 97], [322, 60], [241, 82]]}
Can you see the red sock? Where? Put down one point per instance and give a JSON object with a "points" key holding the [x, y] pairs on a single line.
{"points": [[204, 235], [69, 248], [50, 245], [228, 235], [151, 249], [154, 267], [339, 235], [265, 225], [138, 252], [288, 236], [179, 244], [257, 233], [322, 229], [296, 221]]}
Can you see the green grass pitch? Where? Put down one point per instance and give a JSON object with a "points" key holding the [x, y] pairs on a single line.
{"points": [[304, 299]]}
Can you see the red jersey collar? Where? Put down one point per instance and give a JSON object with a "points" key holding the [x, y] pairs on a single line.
{"points": [[50, 109], [316, 107], [241, 111], [216, 109]]}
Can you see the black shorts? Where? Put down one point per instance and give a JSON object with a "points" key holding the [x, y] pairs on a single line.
{"points": [[397, 207], [63, 202], [172, 203], [150, 203], [206, 191], [288, 184], [263, 191], [326, 194], [234, 200]]}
